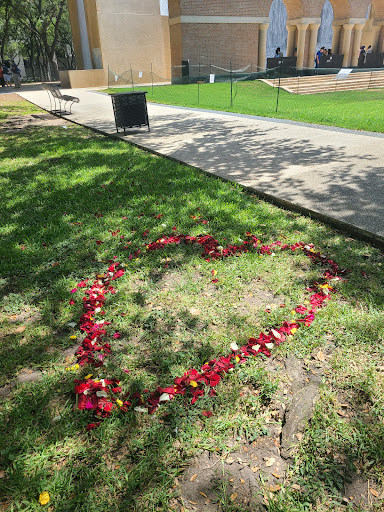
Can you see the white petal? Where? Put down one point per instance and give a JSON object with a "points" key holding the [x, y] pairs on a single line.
{"points": [[276, 334], [101, 394], [164, 397], [234, 346], [269, 346], [256, 347]]}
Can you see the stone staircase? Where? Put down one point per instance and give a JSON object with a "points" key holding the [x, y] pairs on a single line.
{"points": [[328, 83]]}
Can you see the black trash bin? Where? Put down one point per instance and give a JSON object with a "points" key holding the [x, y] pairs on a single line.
{"points": [[130, 109]]}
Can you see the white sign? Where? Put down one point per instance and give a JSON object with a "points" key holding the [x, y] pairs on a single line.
{"points": [[211, 79], [140, 74], [343, 73], [116, 78]]}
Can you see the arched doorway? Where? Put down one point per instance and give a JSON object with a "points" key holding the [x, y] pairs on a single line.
{"points": [[277, 31], [324, 36]]}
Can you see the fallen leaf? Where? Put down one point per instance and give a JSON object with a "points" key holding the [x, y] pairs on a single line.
{"points": [[44, 498], [242, 481], [374, 492], [276, 475], [255, 469], [2, 473], [20, 329], [320, 356], [192, 502], [233, 496], [229, 460], [203, 494], [296, 487], [193, 477], [275, 488], [299, 436], [342, 413], [269, 461]]}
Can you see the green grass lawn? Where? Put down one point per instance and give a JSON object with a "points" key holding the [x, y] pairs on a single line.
{"points": [[71, 201], [358, 110]]}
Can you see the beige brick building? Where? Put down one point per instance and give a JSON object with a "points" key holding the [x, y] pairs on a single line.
{"points": [[124, 34]]}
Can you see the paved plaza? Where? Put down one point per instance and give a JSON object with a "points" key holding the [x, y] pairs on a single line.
{"points": [[332, 173]]}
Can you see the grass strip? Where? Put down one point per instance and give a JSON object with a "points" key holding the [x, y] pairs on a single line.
{"points": [[357, 110]]}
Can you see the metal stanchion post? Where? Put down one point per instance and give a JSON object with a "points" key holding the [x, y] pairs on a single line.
{"points": [[278, 87], [133, 85]]}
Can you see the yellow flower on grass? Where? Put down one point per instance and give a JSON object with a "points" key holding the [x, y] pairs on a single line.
{"points": [[119, 402], [74, 337], [193, 384], [293, 330], [44, 498], [88, 376]]}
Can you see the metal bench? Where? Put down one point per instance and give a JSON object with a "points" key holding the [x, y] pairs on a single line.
{"points": [[58, 102]]}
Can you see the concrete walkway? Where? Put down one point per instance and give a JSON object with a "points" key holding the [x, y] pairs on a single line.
{"points": [[334, 174]]}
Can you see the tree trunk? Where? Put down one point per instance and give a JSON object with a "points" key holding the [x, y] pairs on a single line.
{"points": [[5, 34]]}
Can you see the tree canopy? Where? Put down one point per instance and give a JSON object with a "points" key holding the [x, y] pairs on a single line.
{"points": [[38, 31]]}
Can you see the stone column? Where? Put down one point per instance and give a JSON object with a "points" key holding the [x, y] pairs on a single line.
{"points": [[291, 40], [380, 39], [336, 39], [375, 37], [347, 43], [302, 29], [356, 43], [314, 28], [263, 27], [381, 50]]}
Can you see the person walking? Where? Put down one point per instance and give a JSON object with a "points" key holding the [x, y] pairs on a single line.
{"points": [[16, 75], [7, 76], [319, 54]]}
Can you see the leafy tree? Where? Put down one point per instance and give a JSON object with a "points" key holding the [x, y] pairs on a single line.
{"points": [[39, 30]]}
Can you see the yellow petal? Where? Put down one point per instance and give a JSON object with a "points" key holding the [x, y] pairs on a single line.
{"points": [[193, 384], [293, 330], [119, 402], [88, 376], [44, 498], [237, 359], [73, 337]]}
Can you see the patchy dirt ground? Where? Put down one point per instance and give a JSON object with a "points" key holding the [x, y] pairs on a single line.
{"points": [[17, 123], [252, 472]]}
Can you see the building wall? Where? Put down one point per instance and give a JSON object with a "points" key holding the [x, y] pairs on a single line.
{"points": [[220, 44], [139, 33], [123, 33], [134, 35]]}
